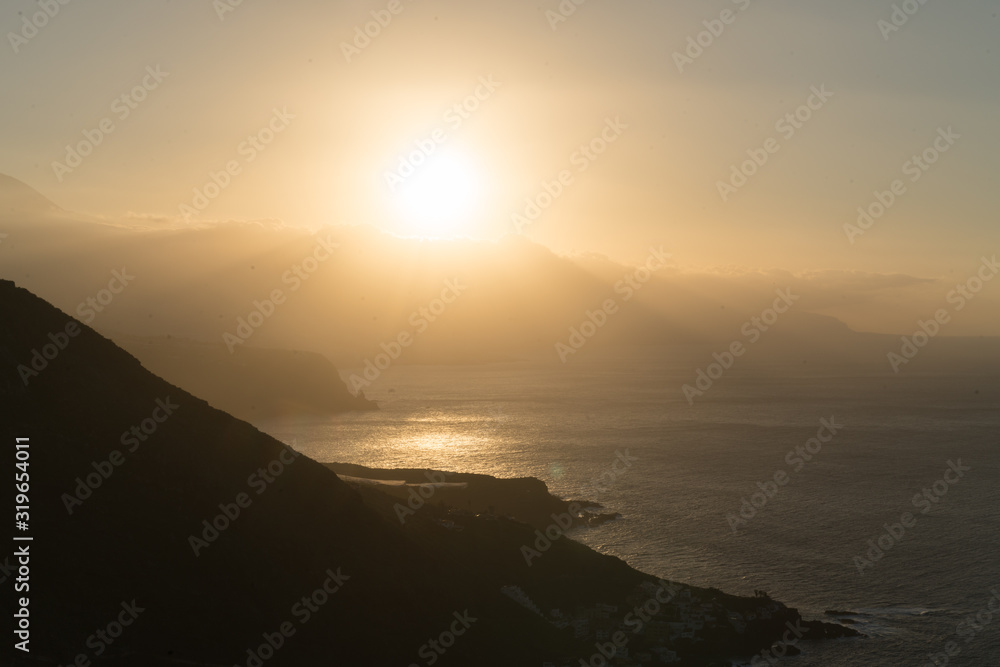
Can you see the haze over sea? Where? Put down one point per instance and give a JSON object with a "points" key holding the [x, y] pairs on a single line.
{"points": [[697, 463]]}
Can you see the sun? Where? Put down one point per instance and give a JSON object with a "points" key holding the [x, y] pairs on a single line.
{"points": [[440, 199]]}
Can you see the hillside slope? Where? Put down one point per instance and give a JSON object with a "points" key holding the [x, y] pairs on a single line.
{"points": [[208, 537]]}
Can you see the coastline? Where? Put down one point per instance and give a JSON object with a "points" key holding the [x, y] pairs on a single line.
{"points": [[523, 523]]}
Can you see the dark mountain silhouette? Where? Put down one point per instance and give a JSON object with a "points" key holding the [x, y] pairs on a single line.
{"points": [[130, 538], [161, 462]]}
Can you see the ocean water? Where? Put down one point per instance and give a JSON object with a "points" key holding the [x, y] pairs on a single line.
{"points": [[694, 465]]}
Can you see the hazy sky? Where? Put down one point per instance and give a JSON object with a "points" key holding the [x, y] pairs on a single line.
{"points": [[609, 67]]}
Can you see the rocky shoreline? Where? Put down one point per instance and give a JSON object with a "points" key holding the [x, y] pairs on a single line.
{"points": [[629, 616]]}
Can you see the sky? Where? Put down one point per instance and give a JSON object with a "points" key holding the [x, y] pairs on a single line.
{"points": [[668, 121]]}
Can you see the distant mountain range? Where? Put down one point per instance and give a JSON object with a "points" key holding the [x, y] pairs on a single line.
{"points": [[351, 293]]}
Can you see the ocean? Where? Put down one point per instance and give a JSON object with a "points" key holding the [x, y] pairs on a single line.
{"points": [[744, 490]]}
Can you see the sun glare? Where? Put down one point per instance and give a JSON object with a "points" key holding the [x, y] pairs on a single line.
{"points": [[441, 198]]}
